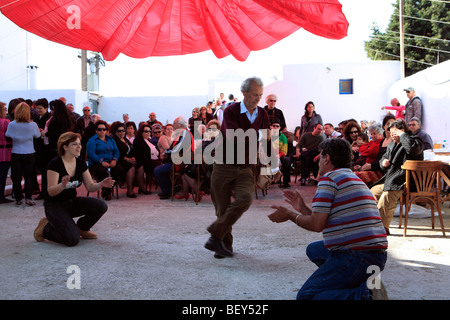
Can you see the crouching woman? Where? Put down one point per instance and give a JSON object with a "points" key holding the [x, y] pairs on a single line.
{"points": [[65, 174]]}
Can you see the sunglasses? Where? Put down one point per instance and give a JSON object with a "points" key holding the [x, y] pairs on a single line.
{"points": [[273, 100], [147, 131], [101, 129], [121, 130], [353, 132], [157, 132], [86, 110], [276, 125]]}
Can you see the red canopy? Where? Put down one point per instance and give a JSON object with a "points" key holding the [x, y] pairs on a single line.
{"points": [[143, 28]]}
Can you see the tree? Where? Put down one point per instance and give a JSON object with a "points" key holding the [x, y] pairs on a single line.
{"points": [[426, 27]]}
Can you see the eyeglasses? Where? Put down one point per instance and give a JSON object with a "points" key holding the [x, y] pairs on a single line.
{"points": [[353, 132], [121, 130], [101, 129], [411, 125], [147, 131]]}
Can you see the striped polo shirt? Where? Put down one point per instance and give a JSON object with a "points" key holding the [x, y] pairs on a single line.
{"points": [[354, 222]]}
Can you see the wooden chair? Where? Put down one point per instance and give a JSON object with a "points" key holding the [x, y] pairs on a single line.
{"points": [[297, 166], [175, 176], [426, 177]]}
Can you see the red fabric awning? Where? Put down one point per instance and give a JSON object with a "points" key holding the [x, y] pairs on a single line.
{"points": [[144, 28]]}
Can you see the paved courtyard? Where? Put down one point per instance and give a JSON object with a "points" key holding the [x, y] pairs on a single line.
{"points": [[152, 249]]}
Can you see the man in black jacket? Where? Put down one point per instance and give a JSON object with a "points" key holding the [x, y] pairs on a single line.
{"points": [[84, 125], [274, 112], [405, 146]]}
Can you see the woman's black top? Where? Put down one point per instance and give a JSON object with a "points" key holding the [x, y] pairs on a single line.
{"points": [[70, 192]]}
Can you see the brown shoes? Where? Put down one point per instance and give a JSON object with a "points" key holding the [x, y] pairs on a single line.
{"points": [[38, 232], [87, 234]]}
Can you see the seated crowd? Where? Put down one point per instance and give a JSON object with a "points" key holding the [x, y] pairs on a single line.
{"points": [[138, 155]]}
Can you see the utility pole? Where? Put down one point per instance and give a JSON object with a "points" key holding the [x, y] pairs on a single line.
{"points": [[83, 70], [402, 41]]}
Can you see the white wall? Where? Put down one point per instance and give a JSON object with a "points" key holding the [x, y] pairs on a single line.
{"points": [[320, 83], [138, 108]]}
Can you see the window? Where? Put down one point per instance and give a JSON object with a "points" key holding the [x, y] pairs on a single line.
{"points": [[346, 86]]}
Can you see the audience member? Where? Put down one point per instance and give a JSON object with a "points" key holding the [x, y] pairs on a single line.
{"points": [[395, 105], [152, 120], [41, 146], [72, 113], [345, 211], [281, 145], [22, 131], [274, 112], [182, 140], [329, 131], [85, 127], [5, 153], [414, 106], [11, 107], [103, 155], [147, 156], [415, 125], [204, 116], [310, 118], [351, 132], [156, 134], [371, 172], [368, 151], [308, 151], [189, 172], [126, 156], [131, 130], [405, 146], [194, 121], [59, 123], [65, 174], [364, 124], [165, 141], [125, 118]]}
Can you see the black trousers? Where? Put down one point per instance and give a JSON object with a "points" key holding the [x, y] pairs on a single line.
{"points": [[61, 227], [22, 165], [308, 164]]}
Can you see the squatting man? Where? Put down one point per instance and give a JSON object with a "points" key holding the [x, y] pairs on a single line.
{"points": [[354, 239]]}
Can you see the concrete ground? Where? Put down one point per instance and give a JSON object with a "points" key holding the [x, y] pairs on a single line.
{"points": [[152, 249]]}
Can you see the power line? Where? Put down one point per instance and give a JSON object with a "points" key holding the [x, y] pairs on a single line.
{"points": [[415, 35], [395, 55], [410, 45], [423, 19]]}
